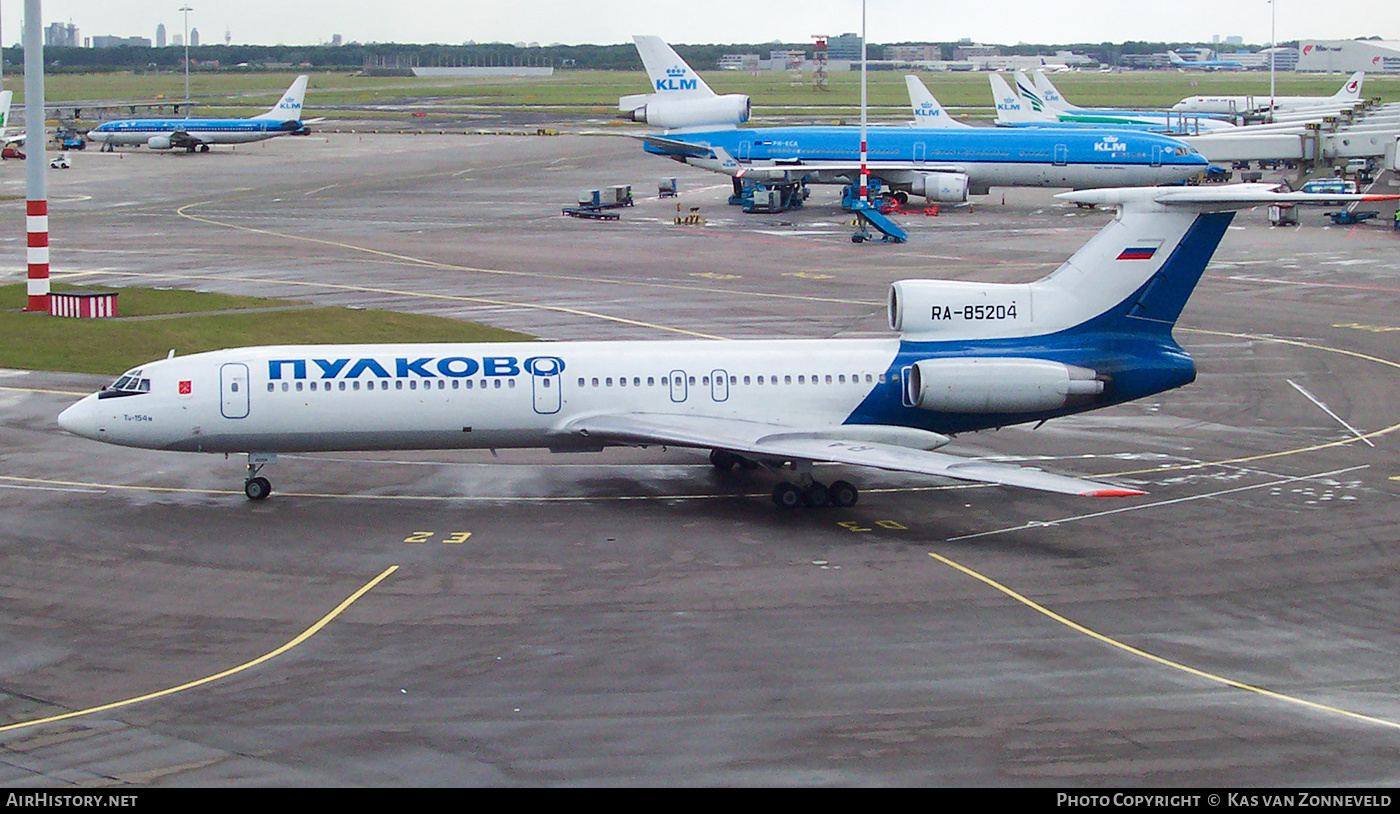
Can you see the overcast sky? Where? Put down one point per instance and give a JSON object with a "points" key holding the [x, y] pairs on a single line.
{"points": [[310, 22]]}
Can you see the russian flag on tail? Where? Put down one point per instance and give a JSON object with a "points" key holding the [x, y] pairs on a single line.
{"points": [[1138, 253]]}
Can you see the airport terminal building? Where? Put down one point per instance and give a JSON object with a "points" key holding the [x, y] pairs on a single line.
{"points": [[1349, 56]]}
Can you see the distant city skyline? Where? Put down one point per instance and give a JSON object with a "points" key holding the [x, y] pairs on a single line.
{"points": [[606, 22]]}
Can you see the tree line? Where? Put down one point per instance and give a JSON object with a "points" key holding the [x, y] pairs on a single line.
{"points": [[356, 56]]}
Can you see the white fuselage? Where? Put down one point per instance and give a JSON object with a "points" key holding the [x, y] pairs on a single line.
{"points": [[443, 396]]}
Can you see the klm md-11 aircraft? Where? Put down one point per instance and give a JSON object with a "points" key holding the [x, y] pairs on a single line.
{"points": [[282, 119], [940, 164], [967, 356]]}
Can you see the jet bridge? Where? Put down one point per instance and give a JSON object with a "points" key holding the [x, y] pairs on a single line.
{"points": [[1329, 139]]}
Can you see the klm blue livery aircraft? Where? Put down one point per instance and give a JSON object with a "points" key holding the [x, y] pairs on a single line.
{"points": [[940, 164], [284, 118]]}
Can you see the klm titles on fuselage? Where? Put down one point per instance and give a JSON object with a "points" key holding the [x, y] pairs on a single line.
{"points": [[426, 367]]}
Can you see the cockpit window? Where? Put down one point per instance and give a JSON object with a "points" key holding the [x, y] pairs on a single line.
{"points": [[130, 384]]}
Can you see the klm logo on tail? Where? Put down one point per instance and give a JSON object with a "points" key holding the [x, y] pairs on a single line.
{"points": [[675, 80]]}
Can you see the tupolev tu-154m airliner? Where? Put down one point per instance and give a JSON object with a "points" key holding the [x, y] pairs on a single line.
{"points": [[966, 356]]}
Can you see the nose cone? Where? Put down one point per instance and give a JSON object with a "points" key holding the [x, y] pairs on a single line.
{"points": [[81, 419]]}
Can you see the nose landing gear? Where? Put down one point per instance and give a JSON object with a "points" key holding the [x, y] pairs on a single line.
{"points": [[255, 487]]}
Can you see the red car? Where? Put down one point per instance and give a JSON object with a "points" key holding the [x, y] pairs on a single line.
{"points": [[10, 151]]}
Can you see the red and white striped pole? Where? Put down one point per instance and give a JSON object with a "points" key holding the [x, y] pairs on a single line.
{"points": [[864, 165], [35, 181], [36, 223]]}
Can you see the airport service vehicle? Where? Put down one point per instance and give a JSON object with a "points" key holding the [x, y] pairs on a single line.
{"points": [[965, 356], [939, 164], [67, 138], [190, 134]]}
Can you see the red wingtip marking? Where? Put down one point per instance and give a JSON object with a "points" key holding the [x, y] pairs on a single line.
{"points": [[1113, 493]]}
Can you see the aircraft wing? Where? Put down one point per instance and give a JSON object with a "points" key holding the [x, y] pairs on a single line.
{"points": [[779, 170], [671, 145], [825, 444], [876, 167]]}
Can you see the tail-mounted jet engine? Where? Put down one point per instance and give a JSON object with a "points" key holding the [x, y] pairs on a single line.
{"points": [[672, 114], [997, 385]]}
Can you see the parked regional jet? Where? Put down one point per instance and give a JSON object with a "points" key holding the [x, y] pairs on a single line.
{"points": [[928, 112], [938, 164], [967, 356], [1349, 93], [1045, 98], [283, 118]]}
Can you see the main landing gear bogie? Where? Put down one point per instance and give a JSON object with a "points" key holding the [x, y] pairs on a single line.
{"points": [[787, 494], [840, 495]]}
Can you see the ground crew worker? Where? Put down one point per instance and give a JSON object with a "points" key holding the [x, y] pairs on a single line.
{"points": [[1397, 220]]}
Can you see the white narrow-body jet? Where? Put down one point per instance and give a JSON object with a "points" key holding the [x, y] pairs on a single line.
{"points": [[962, 356]]}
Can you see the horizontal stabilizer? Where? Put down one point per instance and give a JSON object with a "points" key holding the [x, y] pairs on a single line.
{"points": [[1209, 199]]}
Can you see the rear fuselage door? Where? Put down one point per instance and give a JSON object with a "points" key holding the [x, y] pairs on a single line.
{"points": [[545, 381], [678, 386]]}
